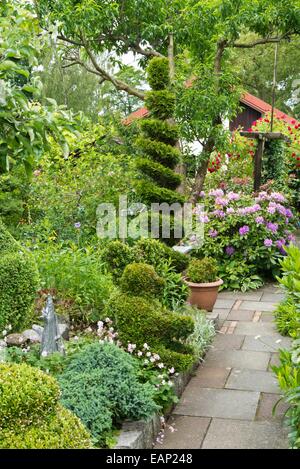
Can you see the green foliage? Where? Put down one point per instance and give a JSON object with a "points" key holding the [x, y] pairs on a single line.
{"points": [[141, 279], [101, 387], [18, 282], [202, 270], [160, 103], [288, 375], [14, 193], [159, 151], [238, 275], [25, 124], [139, 320], [162, 130], [246, 234], [162, 175], [117, 255], [151, 193], [204, 330], [152, 251], [158, 73], [78, 279], [274, 166], [28, 396], [62, 431], [30, 415], [288, 312], [175, 291]]}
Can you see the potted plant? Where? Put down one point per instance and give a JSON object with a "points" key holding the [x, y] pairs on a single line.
{"points": [[202, 279]]}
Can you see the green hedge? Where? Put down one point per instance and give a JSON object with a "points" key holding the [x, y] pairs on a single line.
{"points": [[18, 283], [160, 103], [30, 416], [151, 193]]}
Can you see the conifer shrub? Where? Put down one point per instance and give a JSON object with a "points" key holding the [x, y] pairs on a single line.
{"points": [[100, 385], [157, 142], [18, 282], [117, 255]]}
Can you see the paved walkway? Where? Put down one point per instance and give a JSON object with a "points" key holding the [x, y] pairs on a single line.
{"points": [[229, 401]]}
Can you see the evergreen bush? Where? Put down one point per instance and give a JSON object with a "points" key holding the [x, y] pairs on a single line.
{"points": [[18, 282], [30, 415], [141, 279], [158, 141]]}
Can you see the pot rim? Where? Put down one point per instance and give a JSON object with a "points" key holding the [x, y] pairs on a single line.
{"points": [[217, 283]]}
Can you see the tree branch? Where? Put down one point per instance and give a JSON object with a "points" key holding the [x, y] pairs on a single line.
{"points": [[70, 41], [265, 40], [149, 52]]}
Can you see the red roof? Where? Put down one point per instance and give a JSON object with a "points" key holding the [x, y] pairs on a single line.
{"points": [[263, 107], [247, 99], [139, 114]]}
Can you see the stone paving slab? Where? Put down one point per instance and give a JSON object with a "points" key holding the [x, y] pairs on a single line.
{"points": [[251, 295], [240, 315], [227, 342], [274, 361], [210, 377], [189, 433], [222, 403], [266, 343], [224, 304], [273, 297], [235, 434], [266, 316], [237, 359], [253, 380], [258, 305], [255, 329], [266, 405], [222, 312]]}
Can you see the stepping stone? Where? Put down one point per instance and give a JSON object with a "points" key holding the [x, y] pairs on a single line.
{"points": [[253, 380], [240, 315], [266, 405], [258, 305], [255, 328], [227, 342], [273, 297], [189, 433], [235, 434], [223, 403], [210, 377], [266, 343], [224, 304], [237, 359]]}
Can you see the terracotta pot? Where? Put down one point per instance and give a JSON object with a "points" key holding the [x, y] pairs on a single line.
{"points": [[204, 295]]}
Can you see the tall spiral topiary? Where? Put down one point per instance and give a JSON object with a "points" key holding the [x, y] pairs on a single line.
{"points": [[158, 140]]}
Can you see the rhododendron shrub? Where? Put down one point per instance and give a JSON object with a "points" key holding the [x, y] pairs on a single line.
{"points": [[246, 233]]}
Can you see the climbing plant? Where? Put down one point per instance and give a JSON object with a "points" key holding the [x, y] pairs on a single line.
{"points": [[274, 163]]}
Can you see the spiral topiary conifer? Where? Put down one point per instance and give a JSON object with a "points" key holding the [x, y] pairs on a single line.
{"points": [[158, 140]]}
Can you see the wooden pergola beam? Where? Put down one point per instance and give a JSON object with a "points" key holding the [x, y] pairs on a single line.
{"points": [[265, 136]]}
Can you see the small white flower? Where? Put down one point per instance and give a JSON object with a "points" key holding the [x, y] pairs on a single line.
{"points": [[146, 346], [9, 327], [172, 370], [161, 365], [152, 359], [163, 382], [4, 333], [44, 353], [140, 354], [170, 383], [148, 354], [76, 337]]}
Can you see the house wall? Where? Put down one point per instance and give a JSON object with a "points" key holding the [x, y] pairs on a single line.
{"points": [[245, 118]]}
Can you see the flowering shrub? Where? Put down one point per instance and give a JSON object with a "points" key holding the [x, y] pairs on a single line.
{"points": [[242, 230]]}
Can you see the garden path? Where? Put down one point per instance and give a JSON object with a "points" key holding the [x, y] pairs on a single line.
{"points": [[228, 403]]}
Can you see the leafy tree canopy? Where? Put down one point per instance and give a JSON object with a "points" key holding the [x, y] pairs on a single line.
{"points": [[25, 125]]}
